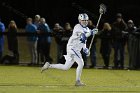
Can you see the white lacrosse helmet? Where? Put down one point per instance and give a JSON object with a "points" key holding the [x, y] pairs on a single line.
{"points": [[83, 16]]}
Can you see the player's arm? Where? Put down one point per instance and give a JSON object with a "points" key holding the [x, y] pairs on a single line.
{"points": [[84, 36]]}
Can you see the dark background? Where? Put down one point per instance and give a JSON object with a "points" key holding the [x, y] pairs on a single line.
{"points": [[67, 10]]}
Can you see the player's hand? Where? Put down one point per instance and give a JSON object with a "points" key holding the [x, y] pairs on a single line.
{"points": [[94, 31], [86, 51]]}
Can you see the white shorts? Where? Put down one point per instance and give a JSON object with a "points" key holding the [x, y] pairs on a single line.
{"points": [[74, 56]]}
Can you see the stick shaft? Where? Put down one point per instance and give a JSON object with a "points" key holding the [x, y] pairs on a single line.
{"points": [[95, 27]]}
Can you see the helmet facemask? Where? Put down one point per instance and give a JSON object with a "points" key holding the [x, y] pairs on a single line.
{"points": [[83, 19]]}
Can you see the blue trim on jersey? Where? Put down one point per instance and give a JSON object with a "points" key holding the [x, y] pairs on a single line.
{"points": [[83, 38], [75, 52]]}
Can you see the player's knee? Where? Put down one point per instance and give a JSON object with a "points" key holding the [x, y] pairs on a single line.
{"points": [[81, 65]]}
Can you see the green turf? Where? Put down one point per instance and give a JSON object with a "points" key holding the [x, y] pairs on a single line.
{"points": [[22, 79]]}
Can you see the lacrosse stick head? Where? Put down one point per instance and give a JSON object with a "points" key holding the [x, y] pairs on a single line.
{"points": [[102, 9]]}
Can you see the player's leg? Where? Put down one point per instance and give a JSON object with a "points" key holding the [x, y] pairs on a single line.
{"points": [[80, 63], [69, 62]]}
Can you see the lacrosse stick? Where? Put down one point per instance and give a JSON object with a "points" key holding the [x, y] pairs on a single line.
{"points": [[102, 10]]}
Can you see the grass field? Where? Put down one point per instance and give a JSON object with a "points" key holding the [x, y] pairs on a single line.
{"points": [[22, 79]]}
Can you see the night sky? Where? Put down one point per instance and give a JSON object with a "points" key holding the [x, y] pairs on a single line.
{"points": [[67, 10]]}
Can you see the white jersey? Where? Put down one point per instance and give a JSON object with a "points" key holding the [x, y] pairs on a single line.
{"points": [[74, 42]]}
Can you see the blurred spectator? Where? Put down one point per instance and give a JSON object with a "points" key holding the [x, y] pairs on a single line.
{"points": [[133, 45], [93, 46], [36, 23], [2, 29], [131, 26], [37, 20], [32, 40], [134, 49], [44, 41], [12, 45], [130, 30], [58, 33], [66, 35], [106, 43], [119, 41]]}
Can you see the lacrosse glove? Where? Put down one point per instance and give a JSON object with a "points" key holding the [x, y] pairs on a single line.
{"points": [[94, 31], [86, 51]]}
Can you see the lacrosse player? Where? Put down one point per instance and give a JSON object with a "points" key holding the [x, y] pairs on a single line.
{"points": [[76, 43]]}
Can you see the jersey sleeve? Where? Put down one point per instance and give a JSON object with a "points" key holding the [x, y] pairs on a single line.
{"points": [[77, 30]]}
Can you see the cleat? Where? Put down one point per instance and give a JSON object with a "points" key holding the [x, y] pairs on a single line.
{"points": [[78, 83], [45, 67]]}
